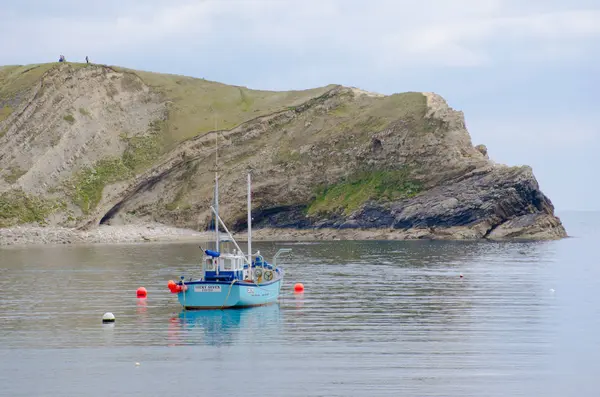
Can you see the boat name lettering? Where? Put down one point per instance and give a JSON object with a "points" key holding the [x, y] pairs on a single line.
{"points": [[207, 288], [250, 291]]}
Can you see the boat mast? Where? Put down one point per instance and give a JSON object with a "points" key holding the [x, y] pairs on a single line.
{"points": [[249, 224], [217, 237]]}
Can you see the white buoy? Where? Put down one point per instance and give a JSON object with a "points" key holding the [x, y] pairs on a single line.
{"points": [[108, 318], [137, 364]]}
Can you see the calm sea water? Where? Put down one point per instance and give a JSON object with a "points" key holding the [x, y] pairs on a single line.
{"points": [[376, 319]]}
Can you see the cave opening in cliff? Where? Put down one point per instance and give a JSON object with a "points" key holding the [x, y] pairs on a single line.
{"points": [[105, 220]]}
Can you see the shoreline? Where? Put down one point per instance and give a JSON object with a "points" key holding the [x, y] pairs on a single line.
{"points": [[122, 234], [160, 233]]}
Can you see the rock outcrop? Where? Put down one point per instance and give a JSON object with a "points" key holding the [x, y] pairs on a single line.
{"points": [[88, 145]]}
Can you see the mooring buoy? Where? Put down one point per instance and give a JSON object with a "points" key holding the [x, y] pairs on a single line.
{"points": [[108, 318]]}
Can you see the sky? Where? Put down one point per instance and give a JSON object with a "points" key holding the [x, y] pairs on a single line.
{"points": [[525, 73]]}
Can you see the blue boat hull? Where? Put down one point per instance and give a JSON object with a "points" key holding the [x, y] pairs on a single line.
{"points": [[220, 295]]}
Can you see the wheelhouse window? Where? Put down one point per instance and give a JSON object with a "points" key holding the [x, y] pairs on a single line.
{"points": [[209, 264], [227, 264]]}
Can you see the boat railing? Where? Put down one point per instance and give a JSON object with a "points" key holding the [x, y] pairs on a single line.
{"points": [[281, 251]]}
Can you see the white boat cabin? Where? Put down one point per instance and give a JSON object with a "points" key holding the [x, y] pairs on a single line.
{"points": [[226, 267]]}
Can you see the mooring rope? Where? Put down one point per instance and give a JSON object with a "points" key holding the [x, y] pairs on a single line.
{"points": [[184, 288], [227, 297]]}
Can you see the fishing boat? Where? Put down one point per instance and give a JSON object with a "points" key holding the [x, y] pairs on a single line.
{"points": [[231, 278]]}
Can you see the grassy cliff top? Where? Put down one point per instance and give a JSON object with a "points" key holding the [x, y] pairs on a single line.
{"points": [[198, 103], [18, 78], [195, 105]]}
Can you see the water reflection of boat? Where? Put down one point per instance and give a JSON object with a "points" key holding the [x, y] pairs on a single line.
{"points": [[222, 327]]}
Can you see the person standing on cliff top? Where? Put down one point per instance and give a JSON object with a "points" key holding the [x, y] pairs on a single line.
{"points": [[87, 60]]}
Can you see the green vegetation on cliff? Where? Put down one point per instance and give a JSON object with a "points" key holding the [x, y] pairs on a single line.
{"points": [[5, 111], [16, 79], [408, 106], [87, 185], [14, 173], [143, 151], [348, 122], [17, 207], [348, 195]]}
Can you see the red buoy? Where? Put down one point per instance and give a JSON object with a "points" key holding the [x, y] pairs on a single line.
{"points": [[298, 287], [171, 285], [176, 288], [141, 292]]}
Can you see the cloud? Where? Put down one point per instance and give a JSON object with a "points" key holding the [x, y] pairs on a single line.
{"points": [[391, 34], [550, 132], [472, 41], [107, 31]]}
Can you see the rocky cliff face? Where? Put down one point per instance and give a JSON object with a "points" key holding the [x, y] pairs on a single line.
{"points": [[81, 146]]}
